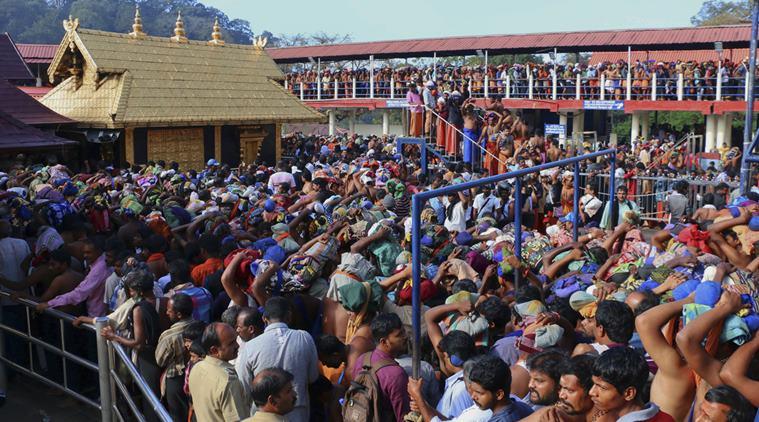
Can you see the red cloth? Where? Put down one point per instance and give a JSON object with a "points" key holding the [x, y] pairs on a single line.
{"points": [[692, 236]]}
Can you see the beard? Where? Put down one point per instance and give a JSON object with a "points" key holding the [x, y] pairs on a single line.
{"points": [[551, 398]]}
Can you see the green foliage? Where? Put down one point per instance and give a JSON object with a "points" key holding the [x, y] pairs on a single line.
{"points": [[720, 12], [39, 21], [677, 120]]}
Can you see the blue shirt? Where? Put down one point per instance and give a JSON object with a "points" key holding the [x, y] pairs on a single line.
{"points": [[514, 412], [455, 397]]}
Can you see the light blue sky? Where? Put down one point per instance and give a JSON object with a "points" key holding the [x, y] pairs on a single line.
{"points": [[399, 19]]}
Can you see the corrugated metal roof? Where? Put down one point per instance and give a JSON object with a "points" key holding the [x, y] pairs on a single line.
{"points": [[12, 66], [25, 108], [732, 36], [15, 135], [732, 54], [37, 53]]}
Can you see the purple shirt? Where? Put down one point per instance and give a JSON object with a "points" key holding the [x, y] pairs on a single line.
{"points": [[91, 289], [393, 383], [415, 101]]}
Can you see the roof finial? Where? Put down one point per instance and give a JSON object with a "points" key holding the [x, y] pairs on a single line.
{"points": [[179, 34], [71, 24], [216, 34], [137, 26], [260, 42]]}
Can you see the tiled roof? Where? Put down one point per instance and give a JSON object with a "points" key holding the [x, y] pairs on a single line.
{"points": [[12, 65], [732, 36], [25, 108], [15, 135], [37, 53], [152, 81]]}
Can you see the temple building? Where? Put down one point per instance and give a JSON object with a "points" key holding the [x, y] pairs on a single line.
{"points": [[146, 98]]}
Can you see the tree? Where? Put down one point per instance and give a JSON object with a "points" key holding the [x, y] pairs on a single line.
{"points": [[720, 12]]}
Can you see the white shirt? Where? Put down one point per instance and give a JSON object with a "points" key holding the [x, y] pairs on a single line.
{"points": [[457, 220], [279, 178], [12, 253], [590, 204], [487, 204], [472, 413]]}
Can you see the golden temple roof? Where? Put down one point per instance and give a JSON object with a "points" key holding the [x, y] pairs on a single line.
{"points": [[116, 80]]}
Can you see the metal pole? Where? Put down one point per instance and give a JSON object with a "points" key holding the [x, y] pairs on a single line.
{"points": [[371, 76], [416, 315], [576, 201], [517, 227], [747, 125], [612, 189], [104, 372], [434, 66]]}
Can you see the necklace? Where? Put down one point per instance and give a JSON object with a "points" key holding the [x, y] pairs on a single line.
{"points": [[596, 416]]}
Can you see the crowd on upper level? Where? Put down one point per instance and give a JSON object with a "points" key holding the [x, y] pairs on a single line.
{"points": [[699, 80]]}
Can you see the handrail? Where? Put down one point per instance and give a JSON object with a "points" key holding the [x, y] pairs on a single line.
{"points": [[416, 224], [106, 372]]}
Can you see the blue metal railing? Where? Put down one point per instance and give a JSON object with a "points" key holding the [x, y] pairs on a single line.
{"points": [[419, 199]]}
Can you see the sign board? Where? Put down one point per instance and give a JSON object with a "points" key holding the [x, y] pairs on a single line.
{"points": [[396, 103], [551, 129], [603, 105]]}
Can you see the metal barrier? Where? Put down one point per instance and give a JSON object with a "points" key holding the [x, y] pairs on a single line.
{"points": [[417, 201], [110, 358]]}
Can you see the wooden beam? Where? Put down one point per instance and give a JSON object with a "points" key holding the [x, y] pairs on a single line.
{"points": [[217, 142], [129, 145]]}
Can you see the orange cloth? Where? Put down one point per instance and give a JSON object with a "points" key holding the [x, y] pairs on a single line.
{"points": [[200, 272], [333, 374], [416, 123], [451, 140]]}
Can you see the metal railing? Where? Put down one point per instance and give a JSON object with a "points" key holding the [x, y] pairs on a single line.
{"points": [[114, 396], [418, 200], [530, 86]]}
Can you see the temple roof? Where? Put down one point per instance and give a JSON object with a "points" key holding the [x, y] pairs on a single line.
{"points": [[12, 65], [116, 80], [15, 135]]}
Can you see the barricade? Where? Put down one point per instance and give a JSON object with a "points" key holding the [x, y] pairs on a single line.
{"points": [[418, 200], [120, 384]]}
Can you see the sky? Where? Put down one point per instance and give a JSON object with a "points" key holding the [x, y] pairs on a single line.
{"points": [[402, 19]]}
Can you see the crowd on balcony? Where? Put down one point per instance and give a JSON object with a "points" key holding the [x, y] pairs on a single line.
{"points": [[271, 293], [699, 80]]}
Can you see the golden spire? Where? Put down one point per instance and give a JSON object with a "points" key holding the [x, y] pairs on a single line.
{"points": [[71, 24], [179, 34], [137, 26], [260, 42], [216, 34]]}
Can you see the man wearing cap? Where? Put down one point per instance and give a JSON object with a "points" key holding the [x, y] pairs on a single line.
{"points": [[416, 110]]}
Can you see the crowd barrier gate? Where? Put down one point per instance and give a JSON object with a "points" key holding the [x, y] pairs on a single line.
{"points": [[418, 200]]}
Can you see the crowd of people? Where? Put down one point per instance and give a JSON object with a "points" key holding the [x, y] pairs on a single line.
{"points": [[284, 293], [699, 80]]}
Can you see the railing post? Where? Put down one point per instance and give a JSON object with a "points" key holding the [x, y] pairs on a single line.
{"points": [[680, 86], [354, 88], [301, 91], [529, 84], [318, 87], [508, 87], [746, 94], [554, 83], [718, 96], [104, 371], [392, 88], [286, 87], [653, 86], [371, 88], [612, 190], [416, 273], [628, 96], [517, 226], [576, 200], [602, 94], [487, 86], [337, 88], [578, 87]]}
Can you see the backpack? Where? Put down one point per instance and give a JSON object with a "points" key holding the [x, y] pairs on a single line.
{"points": [[362, 399]]}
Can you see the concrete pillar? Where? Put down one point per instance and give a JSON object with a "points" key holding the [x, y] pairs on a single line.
{"points": [[352, 122], [635, 129], [332, 124], [711, 132], [645, 124], [385, 122], [724, 130], [562, 121], [404, 121], [577, 123]]}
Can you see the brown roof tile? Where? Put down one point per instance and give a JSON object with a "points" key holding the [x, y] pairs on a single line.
{"points": [[12, 65]]}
